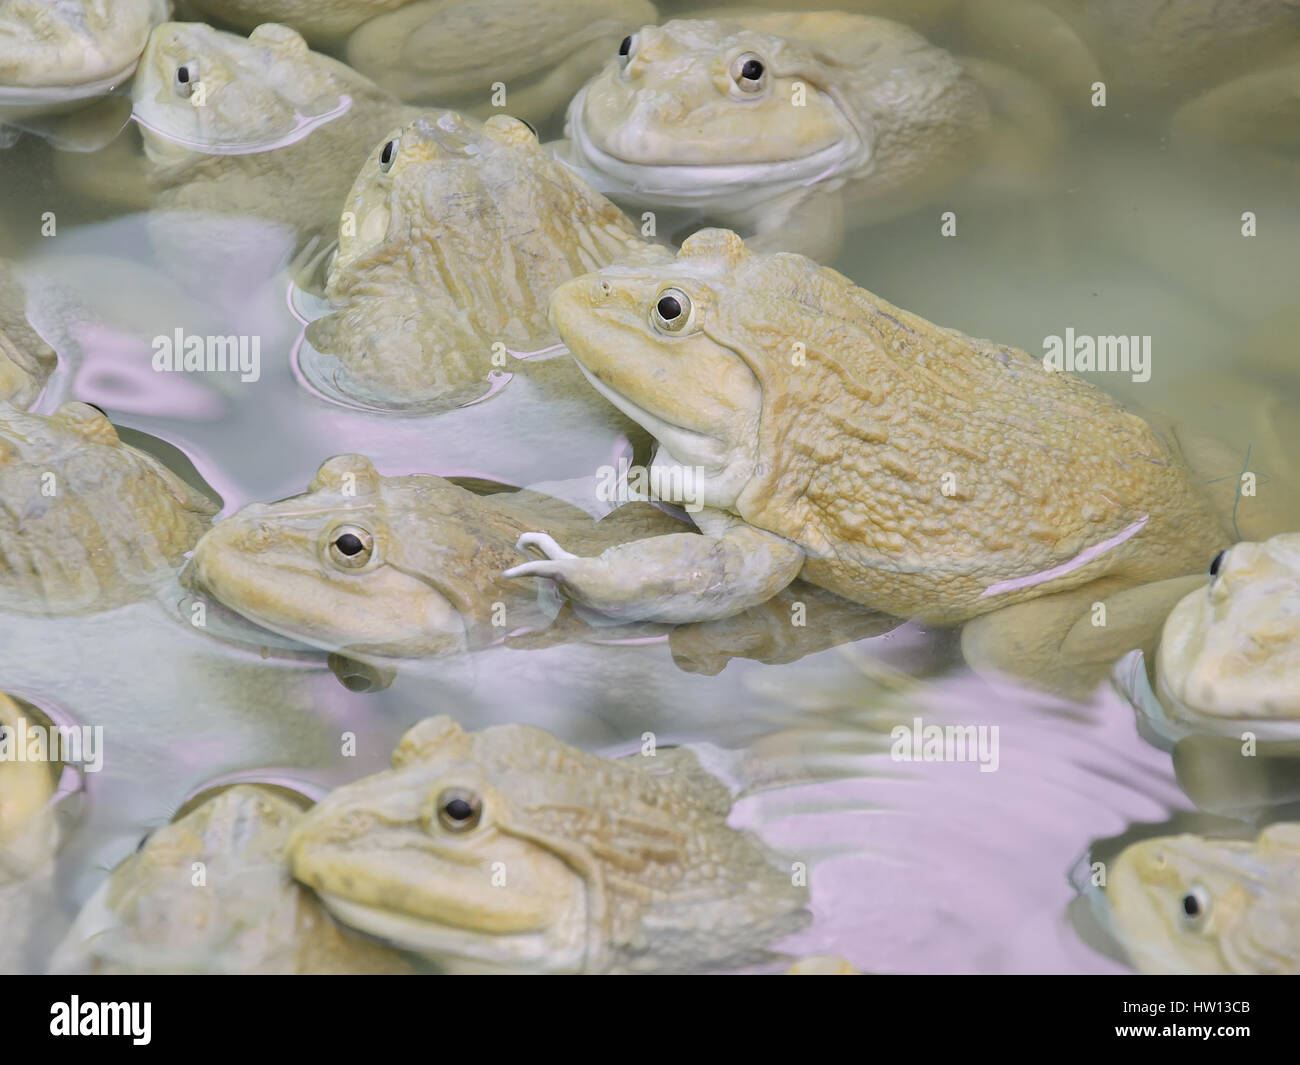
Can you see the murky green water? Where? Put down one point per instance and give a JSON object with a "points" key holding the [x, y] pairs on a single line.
{"points": [[934, 867]]}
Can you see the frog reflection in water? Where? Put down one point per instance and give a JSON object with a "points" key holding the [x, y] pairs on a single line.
{"points": [[906, 467], [507, 849]]}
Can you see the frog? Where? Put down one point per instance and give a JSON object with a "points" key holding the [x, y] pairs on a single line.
{"points": [[451, 240], [1224, 701], [391, 567], [59, 56], [1150, 56], [211, 893], [89, 523], [789, 127], [26, 360], [259, 126], [1193, 904], [832, 436], [507, 849], [477, 56]]}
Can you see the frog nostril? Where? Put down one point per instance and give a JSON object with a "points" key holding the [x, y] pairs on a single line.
{"points": [[606, 290]]}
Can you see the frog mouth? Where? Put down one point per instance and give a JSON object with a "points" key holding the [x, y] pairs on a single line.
{"points": [[695, 185], [441, 941]]}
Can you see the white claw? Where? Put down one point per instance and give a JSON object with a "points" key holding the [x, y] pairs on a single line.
{"points": [[544, 543]]}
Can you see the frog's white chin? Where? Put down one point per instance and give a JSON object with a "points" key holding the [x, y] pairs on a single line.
{"points": [[458, 948], [733, 187]]}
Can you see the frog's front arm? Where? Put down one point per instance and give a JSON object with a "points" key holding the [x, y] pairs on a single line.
{"points": [[676, 578]]}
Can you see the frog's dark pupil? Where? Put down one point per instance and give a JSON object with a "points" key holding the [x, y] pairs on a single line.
{"points": [[183, 75], [669, 308], [626, 47], [459, 810], [386, 156], [349, 544], [752, 70], [1217, 564], [1191, 905]]}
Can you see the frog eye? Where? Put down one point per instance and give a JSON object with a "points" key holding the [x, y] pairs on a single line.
{"points": [[626, 49], [351, 546], [1194, 907], [388, 155], [749, 73], [459, 809], [1216, 564], [672, 311], [187, 75]]}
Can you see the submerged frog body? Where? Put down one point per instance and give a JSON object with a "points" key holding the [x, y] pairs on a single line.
{"points": [[831, 435], [1148, 54], [452, 240], [257, 126], [758, 121], [390, 566], [26, 361], [245, 915], [88, 522], [453, 53], [609, 864], [56, 55], [1187, 904]]}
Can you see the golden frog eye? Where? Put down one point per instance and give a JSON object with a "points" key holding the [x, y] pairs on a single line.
{"points": [[1216, 564], [187, 76], [351, 546], [672, 311], [388, 155], [749, 73], [459, 809]]}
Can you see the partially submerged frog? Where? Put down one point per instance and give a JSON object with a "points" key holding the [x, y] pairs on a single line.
{"points": [[26, 361], [1149, 55], [782, 126], [57, 55], [211, 893], [508, 849], [452, 239], [1187, 904], [88, 522], [257, 126], [831, 435], [391, 566], [454, 53], [28, 833]]}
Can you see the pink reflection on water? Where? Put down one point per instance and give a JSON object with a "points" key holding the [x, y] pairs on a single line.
{"points": [[117, 373]]}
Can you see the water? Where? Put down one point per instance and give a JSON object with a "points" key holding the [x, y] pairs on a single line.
{"points": [[916, 867]]}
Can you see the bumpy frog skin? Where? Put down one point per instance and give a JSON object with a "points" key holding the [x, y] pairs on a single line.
{"points": [[452, 239], [55, 51], [1230, 651], [257, 126], [28, 833], [88, 522], [424, 576], [246, 915], [825, 424], [450, 53], [26, 361], [702, 115], [508, 849], [1186, 904]]}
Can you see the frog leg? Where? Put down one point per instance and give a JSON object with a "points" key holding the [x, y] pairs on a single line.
{"points": [[675, 578]]}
